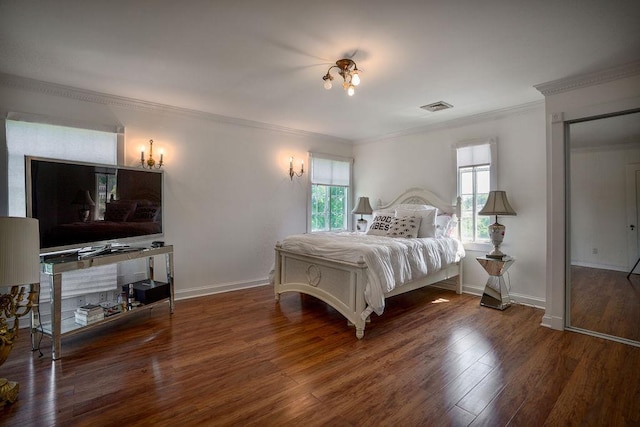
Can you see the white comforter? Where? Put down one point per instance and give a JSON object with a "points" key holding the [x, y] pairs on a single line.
{"points": [[391, 261]]}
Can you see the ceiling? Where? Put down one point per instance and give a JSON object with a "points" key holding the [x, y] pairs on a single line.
{"points": [[264, 60]]}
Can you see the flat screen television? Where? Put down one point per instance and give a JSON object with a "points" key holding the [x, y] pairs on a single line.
{"points": [[83, 205]]}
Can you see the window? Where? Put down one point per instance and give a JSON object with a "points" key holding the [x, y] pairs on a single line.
{"points": [[330, 179], [476, 164], [51, 141], [64, 143]]}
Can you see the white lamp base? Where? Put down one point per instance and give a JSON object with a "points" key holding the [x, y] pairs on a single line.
{"points": [[361, 226], [496, 234]]}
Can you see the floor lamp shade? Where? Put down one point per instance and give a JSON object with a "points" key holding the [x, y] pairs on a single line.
{"points": [[19, 266], [363, 208], [19, 251]]}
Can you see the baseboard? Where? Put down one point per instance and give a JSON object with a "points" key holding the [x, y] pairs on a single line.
{"points": [[235, 286], [529, 300], [553, 322], [473, 290], [218, 288], [515, 297], [601, 266]]}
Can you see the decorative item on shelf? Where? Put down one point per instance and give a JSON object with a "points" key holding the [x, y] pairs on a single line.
{"points": [[497, 204], [363, 208], [293, 173], [150, 163], [83, 198], [88, 314], [348, 69], [19, 266]]}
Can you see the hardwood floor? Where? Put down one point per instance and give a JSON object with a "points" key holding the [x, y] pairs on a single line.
{"points": [[606, 301], [434, 358]]}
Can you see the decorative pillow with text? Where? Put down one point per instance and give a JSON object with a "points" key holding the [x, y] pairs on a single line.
{"points": [[119, 212], [380, 224], [146, 214]]}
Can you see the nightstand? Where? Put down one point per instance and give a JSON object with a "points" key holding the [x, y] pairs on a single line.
{"points": [[496, 294]]}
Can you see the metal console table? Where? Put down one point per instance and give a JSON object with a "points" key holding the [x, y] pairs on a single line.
{"points": [[54, 267]]}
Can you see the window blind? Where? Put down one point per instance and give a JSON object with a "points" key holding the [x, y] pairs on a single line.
{"points": [[55, 142], [473, 155], [325, 171]]}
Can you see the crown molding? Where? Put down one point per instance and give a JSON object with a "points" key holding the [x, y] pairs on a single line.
{"points": [[589, 79], [70, 92], [461, 121]]}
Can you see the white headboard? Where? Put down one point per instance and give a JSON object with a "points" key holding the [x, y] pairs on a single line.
{"points": [[420, 196]]}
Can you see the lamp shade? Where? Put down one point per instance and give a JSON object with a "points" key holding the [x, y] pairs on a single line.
{"points": [[497, 204], [19, 251], [83, 197], [363, 207]]}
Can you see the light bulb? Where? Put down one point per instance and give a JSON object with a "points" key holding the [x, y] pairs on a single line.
{"points": [[355, 78], [351, 90], [327, 84]]}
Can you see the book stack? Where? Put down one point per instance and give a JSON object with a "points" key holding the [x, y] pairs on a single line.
{"points": [[88, 314]]}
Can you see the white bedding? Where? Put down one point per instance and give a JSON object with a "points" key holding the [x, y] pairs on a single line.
{"points": [[391, 261]]}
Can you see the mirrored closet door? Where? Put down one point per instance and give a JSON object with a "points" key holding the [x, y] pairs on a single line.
{"points": [[603, 195]]}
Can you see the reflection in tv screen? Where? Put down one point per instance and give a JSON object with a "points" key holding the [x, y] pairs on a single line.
{"points": [[81, 204]]}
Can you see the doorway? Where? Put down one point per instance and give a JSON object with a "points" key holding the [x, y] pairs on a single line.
{"points": [[602, 198]]}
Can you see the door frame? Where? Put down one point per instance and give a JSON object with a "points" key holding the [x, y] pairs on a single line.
{"points": [[631, 190]]}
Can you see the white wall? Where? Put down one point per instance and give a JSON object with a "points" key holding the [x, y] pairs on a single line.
{"points": [[385, 168], [228, 196], [599, 207]]}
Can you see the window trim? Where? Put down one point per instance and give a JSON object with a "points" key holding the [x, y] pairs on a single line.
{"points": [[349, 160], [493, 178]]}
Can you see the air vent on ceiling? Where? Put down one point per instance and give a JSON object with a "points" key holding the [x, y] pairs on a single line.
{"points": [[436, 106]]}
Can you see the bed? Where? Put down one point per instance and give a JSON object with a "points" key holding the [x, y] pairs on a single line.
{"points": [[355, 272]]}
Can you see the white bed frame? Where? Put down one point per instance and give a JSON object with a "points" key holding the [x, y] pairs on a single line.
{"points": [[341, 284]]}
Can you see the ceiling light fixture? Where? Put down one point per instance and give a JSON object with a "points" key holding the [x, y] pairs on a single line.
{"points": [[349, 72]]}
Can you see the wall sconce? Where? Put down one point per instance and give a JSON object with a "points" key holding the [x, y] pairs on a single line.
{"points": [[293, 173], [350, 75], [150, 163]]}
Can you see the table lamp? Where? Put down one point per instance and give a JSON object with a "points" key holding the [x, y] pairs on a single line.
{"points": [[497, 204], [363, 208]]}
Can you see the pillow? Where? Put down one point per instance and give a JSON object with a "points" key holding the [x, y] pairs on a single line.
{"points": [[442, 224], [406, 227], [119, 211], [379, 212], [145, 214], [427, 223], [452, 227], [380, 224]]}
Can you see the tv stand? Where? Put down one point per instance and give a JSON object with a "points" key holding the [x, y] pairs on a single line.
{"points": [[55, 266]]}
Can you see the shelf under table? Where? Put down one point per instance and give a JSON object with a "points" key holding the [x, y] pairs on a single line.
{"points": [[69, 326]]}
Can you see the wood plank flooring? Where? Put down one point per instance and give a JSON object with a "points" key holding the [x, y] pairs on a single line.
{"points": [[433, 358], [606, 301]]}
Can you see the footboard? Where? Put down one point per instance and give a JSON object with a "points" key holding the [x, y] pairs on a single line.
{"points": [[339, 284]]}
